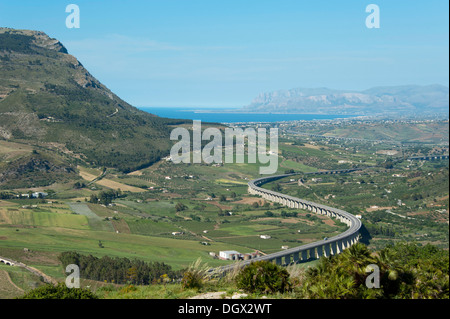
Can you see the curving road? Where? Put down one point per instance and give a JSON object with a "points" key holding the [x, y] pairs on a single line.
{"points": [[311, 251]]}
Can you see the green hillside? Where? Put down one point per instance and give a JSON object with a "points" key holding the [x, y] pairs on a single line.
{"points": [[48, 98]]}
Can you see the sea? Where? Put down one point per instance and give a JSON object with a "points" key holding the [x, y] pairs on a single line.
{"points": [[234, 116]]}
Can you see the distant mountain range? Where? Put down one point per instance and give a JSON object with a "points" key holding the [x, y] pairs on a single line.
{"points": [[387, 100]]}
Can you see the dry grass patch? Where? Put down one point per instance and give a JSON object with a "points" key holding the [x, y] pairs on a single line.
{"points": [[248, 201], [109, 183], [121, 226], [373, 209], [8, 290]]}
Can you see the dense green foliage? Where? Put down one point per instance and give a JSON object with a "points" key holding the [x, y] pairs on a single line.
{"points": [[36, 169], [263, 277], [16, 42], [59, 291], [104, 197], [117, 270], [407, 271]]}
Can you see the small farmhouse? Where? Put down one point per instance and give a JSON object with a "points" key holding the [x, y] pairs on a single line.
{"points": [[229, 255]]}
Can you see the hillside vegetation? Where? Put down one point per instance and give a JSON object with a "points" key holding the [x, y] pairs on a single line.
{"points": [[48, 98], [406, 271]]}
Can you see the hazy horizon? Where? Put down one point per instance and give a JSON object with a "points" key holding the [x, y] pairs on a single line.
{"points": [[223, 54]]}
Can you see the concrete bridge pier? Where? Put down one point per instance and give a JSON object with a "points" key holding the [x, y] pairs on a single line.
{"points": [[304, 255], [278, 261], [333, 248], [312, 254], [326, 250], [296, 257], [287, 259], [348, 243], [319, 252]]}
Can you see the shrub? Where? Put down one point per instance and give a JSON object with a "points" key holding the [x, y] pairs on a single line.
{"points": [[195, 276], [263, 277], [60, 291], [128, 289], [180, 207], [192, 280]]}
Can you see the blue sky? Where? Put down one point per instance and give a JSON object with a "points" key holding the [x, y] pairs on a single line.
{"points": [[211, 53]]}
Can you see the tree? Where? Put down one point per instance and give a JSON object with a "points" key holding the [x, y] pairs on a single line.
{"points": [[388, 164], [132, 275], [79, 185], [276, 187], [180, 207], [93, 199], [268, 214], [117, 270]]}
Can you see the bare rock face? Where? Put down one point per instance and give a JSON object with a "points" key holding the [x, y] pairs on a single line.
{"points": [[34, 170], [43, 40], [5, 133]]}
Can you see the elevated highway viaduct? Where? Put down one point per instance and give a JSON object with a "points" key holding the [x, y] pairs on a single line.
{"points": [[311, 251], [429, 158]]}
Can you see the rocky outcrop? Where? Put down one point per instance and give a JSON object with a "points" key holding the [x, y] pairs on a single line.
{"points": [[34, 170]]}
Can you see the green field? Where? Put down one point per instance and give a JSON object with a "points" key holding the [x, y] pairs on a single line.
{"points": [[46, 219], [217, 210]]}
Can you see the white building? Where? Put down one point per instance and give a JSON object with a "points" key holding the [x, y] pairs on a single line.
{"points": [[229, 255], [177, 233], [37, 194], [265, 236]]}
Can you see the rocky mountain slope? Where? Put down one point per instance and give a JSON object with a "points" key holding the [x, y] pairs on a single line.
{"points": [[48, 99]]}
